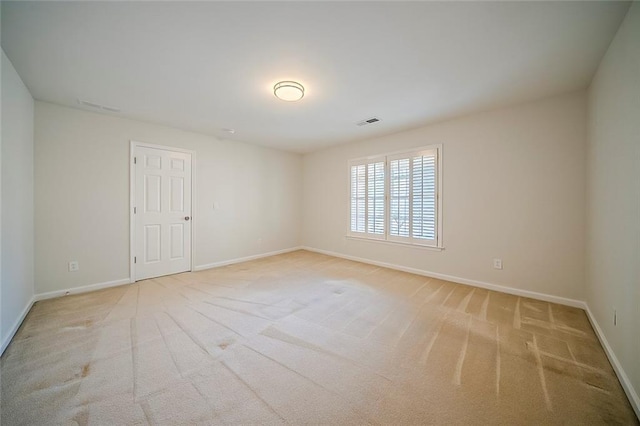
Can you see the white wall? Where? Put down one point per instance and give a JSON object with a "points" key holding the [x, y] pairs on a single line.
{"points": [[613, 197], [82, 195], [513, 188], [17, 286]]}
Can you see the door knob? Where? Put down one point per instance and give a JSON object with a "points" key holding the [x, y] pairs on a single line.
{"points": [[187, 218]]}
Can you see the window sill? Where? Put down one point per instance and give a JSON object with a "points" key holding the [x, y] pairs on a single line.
{"points": [[394, 243]]}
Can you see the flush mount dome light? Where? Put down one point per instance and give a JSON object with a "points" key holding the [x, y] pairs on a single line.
{"points": [[289, 91]]}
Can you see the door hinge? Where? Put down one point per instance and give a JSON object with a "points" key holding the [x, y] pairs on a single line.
{"points": [[134, 210], [135, 259], [135, 160]]}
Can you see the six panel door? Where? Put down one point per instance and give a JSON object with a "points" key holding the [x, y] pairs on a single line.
{"points": [[162, 212]]}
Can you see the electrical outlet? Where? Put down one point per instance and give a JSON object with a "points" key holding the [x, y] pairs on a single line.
{"points": [[74, 266], [497, 263]]}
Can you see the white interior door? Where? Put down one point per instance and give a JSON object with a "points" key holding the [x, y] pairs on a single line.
{"points": [[162, 212]]}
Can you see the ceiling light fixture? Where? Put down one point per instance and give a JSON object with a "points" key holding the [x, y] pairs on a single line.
{"points": [[289, 91]]}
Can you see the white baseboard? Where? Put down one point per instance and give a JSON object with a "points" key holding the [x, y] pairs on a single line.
{"points": [[16, 325], [115, 283], [51, 295], [82, 289], [622, 376], [244, 259], [466, 281]]}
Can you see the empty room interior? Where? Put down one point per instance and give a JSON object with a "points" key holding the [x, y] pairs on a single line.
{"points": [[388, 213]]}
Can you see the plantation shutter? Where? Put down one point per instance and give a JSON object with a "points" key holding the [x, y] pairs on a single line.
{"points": [[413, 197], [400, 188], [358, 193], [424, 193], [375, 198], [367, 198]]}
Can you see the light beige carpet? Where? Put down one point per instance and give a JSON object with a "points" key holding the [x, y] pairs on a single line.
{"points": [[304, 338]]}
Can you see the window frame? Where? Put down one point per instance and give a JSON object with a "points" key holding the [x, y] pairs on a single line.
{"points": [[386, 236]]}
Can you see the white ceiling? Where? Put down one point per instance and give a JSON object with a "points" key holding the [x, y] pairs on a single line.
{"points": [[206, 66]]}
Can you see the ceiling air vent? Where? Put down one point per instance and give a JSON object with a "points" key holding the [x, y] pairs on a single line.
{"points": [[111, 109], [98, 106], [368, 121], [87, 103]]}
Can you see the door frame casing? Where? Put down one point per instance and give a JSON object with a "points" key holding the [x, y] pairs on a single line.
{"points": [[132, 200]]}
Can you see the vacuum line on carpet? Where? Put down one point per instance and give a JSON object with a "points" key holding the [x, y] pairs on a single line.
{"points": [[457, 377], [497, 361], [543, 381], [517, 322]]}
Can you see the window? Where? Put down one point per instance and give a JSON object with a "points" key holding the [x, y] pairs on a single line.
{"points": [[396, 197]]}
